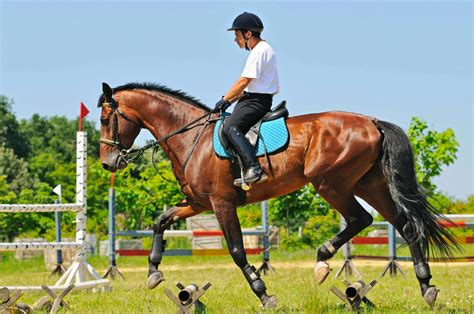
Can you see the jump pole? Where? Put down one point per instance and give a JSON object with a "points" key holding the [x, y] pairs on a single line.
{"points": [[59, 269], [266, 266], [113, 270]]}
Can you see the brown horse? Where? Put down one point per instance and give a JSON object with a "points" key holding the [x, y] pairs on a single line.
{"points": [[341, 154]]}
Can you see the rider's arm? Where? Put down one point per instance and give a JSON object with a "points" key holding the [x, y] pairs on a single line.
{"points": [[237, 89], [236, 98]]}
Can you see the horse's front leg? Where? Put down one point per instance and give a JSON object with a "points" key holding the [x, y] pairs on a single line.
{"points": [[181, 211], [226, 214]]}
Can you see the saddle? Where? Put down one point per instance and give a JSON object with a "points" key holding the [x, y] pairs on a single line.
{"points": [[269, 135]]}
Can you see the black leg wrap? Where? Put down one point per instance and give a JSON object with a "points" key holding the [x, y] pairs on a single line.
{"points": [[323, 254], [253, 278], [158, 247], [422, 271], [409, 233], [326, 251], [366, 219]]}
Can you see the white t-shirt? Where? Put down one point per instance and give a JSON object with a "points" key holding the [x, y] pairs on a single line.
{"points": [[261, 67]]}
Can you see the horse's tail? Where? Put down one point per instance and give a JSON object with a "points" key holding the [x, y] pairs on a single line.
{"points": [[399, 169]]}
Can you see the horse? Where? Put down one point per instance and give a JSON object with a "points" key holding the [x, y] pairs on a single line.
{"points": [[343, 155]]}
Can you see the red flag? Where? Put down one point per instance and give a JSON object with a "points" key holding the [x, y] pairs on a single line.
{"points": [[82, 113]]}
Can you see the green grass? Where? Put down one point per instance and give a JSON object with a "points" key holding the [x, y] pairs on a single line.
{"points": [[292, 284]]}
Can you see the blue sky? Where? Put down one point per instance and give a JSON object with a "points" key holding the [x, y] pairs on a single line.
{"points": [[389, 59]]}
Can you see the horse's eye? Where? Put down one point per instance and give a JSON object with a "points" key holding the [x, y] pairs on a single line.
{"points": [[104, 121]]}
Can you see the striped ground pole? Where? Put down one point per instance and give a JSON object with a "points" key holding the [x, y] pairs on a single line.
{"points": [[456, 221], [40, 208], [399, 240], [187, 252], [187, 233]]}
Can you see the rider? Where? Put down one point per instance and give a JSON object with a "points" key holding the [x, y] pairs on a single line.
{"points": [[254, 91]]}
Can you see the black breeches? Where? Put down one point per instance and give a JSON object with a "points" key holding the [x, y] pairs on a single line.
{"points": [[248, 111]]}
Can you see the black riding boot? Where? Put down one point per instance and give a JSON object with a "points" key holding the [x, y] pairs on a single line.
{"points": [[253, 171]]}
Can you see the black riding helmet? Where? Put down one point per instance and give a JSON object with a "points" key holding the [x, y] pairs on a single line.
{"points": [[247, 22]]}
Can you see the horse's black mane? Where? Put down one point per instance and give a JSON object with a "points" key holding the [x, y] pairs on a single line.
{"points": [[158, 88]]}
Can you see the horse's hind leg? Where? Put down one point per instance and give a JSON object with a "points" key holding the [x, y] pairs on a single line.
{"points": [[226, 214], [181, 211], [357, 219], [374, 190]]}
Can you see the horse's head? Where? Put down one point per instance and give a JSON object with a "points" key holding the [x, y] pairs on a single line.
{"points": [[118, 129]]}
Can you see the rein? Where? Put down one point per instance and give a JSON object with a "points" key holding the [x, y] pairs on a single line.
{"points": [[132, 154], [183, 167], [139, 151]]}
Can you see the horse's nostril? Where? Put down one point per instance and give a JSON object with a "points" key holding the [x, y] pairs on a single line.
{"points": [[105, 166]]}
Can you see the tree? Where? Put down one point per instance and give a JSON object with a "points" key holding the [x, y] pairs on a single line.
{"points": [[453, 206], [57, 135], [462, 207], [433, 150], [10, 136], [294, 209], [15, 171], [52, 158], [141, 195], [250, 215], [321, 228], [6, 194], [31, 224], [291, 210]]}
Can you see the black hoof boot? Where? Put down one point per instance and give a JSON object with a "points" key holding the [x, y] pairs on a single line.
{"points": [[154, 279]]}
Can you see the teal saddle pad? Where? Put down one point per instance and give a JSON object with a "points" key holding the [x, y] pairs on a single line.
{"points": [[275, 136]]}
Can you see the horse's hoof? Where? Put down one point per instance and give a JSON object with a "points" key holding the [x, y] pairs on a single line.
{"points": [[155, 279], [430, 296], [270, 302], [321, 271]]}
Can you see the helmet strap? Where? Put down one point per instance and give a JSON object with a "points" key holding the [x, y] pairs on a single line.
{"points": [[245, 40]]}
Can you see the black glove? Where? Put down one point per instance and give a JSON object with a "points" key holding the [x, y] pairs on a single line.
{"points": [[221, 105]]}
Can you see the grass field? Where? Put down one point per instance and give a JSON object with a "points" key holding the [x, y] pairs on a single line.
{"points": [[292, 284]]}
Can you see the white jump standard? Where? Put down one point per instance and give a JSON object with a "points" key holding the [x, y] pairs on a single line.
{"points": [[80, 273]]}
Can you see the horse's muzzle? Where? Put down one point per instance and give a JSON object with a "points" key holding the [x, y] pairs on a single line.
{"points": [[107, 167], [114, 164]]}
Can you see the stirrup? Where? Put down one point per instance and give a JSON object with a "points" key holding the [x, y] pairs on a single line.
{"points": [[263, 178], [240, 182]]}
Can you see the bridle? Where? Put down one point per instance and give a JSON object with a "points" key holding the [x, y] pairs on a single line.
{"points": [[115, 142], [131, 154]]}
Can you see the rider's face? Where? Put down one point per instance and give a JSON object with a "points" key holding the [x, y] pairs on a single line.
{"points": [[239, 39]]}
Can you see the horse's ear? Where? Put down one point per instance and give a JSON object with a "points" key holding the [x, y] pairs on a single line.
{"points": [[107, 91]]}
